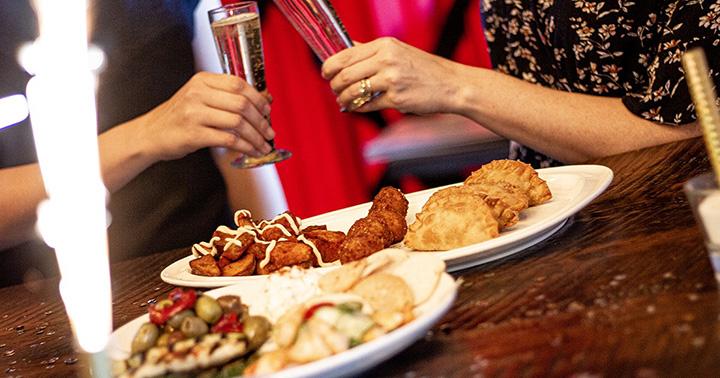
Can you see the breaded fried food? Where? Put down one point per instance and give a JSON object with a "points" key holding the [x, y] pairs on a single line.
{"points": [[236, 247], [245, 266], [314, 228], [355, 248], [389, 198], [220, 235], [285, 253], [328, 244], [205, 266], [276, 232], [393, 222], [503, 213], [372, 228], [452, 221], [514, 174]]}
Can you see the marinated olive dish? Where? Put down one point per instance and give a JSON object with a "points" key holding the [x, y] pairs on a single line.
{"points": [[191, 333]]}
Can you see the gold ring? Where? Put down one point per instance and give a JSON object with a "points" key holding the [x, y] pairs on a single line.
{"points": [[365, 88], [365, 95]]}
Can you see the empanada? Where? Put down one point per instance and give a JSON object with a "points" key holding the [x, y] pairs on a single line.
{"points": [[451, 221], [515, 175], [503, 212]]}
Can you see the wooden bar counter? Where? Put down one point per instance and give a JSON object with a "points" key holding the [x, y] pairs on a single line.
{"points": [[624, 289]]}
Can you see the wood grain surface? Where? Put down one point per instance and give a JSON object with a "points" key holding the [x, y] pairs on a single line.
{"points": [[624, 289]]}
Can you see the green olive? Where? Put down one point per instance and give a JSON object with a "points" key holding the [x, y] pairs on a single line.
{"points": [[175, 320], [257, 330], [192, 326], [208, 309], [145, 338], [230, 304]]}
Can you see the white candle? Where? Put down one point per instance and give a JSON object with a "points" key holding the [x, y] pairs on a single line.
{"points": [[73, 220]]}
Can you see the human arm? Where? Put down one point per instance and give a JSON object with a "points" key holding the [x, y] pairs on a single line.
{"points": [[210, 110], [570, 127]]}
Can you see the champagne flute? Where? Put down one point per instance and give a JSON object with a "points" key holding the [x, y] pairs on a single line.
{"points": [[236, 31], [322, 29]]}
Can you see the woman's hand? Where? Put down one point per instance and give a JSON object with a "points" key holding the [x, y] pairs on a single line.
{"points": [[409, 79], [210, 110]]}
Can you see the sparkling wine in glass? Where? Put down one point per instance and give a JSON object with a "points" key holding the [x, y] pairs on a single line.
{"points": [[236, 30]]}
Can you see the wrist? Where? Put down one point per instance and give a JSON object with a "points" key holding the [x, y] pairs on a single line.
{"points": [[468, 100]]}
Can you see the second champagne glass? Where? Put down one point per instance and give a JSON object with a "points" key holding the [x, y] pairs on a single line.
{"points": [[236, 30]]}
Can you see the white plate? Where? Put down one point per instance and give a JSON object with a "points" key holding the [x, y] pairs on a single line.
{"points": [[253, 293], [572, 187], [178, 273]]}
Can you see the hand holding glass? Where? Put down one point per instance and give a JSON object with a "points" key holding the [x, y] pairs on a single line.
{"points": [[236, 30]]}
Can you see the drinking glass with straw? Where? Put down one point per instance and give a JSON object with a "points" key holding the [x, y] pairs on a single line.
{"points": [[236, 30], [703, 191]]}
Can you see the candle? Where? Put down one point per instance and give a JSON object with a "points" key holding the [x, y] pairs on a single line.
{"points": [[72, 220]]}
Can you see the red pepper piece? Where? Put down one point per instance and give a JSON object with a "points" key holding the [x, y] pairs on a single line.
{"points": [[311, 311], [228, 323], [181, 300]]}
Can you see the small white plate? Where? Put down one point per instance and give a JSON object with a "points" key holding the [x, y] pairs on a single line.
{"points": [[254, 294], [572, 187]]}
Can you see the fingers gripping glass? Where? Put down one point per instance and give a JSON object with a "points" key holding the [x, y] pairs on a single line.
{"points": [[236, 30]]}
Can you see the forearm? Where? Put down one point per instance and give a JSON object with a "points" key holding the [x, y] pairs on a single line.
{"points": [[122, 157], [570, 127]]}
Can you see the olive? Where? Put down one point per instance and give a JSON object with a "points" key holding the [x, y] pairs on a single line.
{"points": [[192, 326], [208, 309], [175, 320], [230, 304], [145, 338], [175, 337], [257, 330], [163, 340]]}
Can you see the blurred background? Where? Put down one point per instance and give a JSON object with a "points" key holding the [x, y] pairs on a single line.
{"points": [[340, 159]]}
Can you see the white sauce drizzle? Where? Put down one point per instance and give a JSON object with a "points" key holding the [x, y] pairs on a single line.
{"points": [[242, 213], [278, 226], [293, 222], [268, 250], [226, 230], [204, 248], [316, 252]]}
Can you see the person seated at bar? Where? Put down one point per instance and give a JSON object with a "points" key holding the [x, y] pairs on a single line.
{"points": [[157, 119], [573, 80]]}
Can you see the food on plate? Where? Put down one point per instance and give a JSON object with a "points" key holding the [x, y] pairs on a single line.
{"points": [[189, 333], [505, 215], [265, 246], [451, 221], [299, 316], [489, 201], [327, 242], [383, 226], [360, 301], [513, 174]]}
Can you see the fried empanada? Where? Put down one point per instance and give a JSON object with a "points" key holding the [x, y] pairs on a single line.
{"points": [[513, 174], [452, 221], [501, 210]]}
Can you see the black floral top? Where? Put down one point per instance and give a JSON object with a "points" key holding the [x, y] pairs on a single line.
{"points": [[629, 49]]}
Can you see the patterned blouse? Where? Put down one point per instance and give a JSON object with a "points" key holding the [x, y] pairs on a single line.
{"points": [[628, 49]]}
